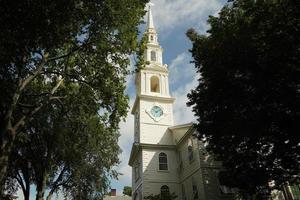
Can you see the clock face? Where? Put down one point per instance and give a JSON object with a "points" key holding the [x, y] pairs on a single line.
{"points": [[156, 111]]}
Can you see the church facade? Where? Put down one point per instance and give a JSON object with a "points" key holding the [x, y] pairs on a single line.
{"points": [[166, 158]]}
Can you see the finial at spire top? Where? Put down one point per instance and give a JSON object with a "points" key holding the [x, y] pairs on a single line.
{"points": [[150, 24]]}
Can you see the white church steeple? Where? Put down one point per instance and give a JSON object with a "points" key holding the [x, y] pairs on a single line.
{"points": [[153, 115], [153, 107]]}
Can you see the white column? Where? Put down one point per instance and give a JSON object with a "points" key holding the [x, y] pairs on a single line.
{"points": [[160, 84], [167, 85], [147, 83]]}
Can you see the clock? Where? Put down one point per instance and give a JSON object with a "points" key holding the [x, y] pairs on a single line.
{"points": [[156, 111]]}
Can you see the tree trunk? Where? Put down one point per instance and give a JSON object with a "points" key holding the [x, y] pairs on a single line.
{"points": [[6, 146], [26, 194], [8, 130], [7, 136], [49, 197], [41, 187], [27, 183]]}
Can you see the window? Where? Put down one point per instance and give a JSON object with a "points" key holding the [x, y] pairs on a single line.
{"points": [[190, 150], [164, 192], [153, 56], [163, 161], [154, 84], [195, 190], [151, 37]]}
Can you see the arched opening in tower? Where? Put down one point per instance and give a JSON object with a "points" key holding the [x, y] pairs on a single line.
{"points": [[154, 84]]}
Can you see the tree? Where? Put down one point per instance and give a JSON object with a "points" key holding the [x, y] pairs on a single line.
{"points": [[68, 159], [247, 100], [127, 190], [61, 52]]}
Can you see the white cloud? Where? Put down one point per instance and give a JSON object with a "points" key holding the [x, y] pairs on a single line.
{"points": [[187, 13], [181, 70], [125, 143], [184, 78], [182, 113]]}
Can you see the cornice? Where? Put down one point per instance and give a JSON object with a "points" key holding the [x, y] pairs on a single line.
{"points": [[181, 126], [136, 147], [165, 99], [156, 67], [154, 45], [156, 146]]}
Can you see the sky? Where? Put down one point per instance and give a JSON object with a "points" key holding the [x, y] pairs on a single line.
{"points": [[172, 18]]}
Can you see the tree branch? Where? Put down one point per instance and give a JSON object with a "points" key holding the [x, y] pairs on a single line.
{"points": [[21, 121], [57, 86], [26, 105], [20, 181], [56, 184], [38, 70]]}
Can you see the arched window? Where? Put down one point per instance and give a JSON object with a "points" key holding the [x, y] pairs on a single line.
{"points": [[190, 149], [164, 192], [154, 84], [153, 55], [151, 37], [163, 161]]}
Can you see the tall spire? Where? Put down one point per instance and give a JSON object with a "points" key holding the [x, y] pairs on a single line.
{"points": [[154, 51], [150, 29], [150, 24]]}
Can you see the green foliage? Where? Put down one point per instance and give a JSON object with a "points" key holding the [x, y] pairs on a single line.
{"points": [[62, 82], [140, 59], [127, 190], [247, 100]]}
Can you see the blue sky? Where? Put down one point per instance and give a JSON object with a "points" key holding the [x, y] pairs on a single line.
{"points": [[172, 18]]}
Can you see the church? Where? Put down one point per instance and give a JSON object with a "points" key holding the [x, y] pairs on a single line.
{"points": [[166, 158]]}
